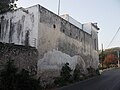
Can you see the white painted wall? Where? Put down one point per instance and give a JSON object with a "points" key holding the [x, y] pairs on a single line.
{"points": [[87, 28], [30, 16]]}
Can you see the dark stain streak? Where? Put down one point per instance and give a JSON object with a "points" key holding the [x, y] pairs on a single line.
{"points": [[32, 18], [27, 38], [19, 30], [3, 28], [0, 30], [22, 38], [7, 23], [23, 18], [11, 31], [67, 47]]}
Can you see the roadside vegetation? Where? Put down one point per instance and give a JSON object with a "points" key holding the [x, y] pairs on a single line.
{"points": [[109, 58], [13, 79], [69, 76]]}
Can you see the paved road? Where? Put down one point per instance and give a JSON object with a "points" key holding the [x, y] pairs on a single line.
{"points": [[109, 80]]}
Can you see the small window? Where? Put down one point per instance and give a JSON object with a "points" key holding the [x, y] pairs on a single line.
{"points": [[54, 26], [63, 30], [76, 37], [2, 17], [95, 44], [70, 34]]}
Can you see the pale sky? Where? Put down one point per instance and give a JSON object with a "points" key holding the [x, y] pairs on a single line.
{"points": [[105, 12]]}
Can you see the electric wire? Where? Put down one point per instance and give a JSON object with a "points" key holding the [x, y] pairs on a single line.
{"points": [[113, 37]]}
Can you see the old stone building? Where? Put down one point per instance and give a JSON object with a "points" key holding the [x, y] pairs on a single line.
{"points": [[58, 39]]}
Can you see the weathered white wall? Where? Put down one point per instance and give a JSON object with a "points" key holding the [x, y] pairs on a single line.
{"points": [[54, 60], [15, 25], [59, 42], [87, 28], [95, 37]]}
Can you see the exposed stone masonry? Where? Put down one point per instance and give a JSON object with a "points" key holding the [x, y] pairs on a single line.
{"points": [[24, 57]]}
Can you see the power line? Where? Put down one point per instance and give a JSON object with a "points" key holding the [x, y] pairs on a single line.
{"points": [[113, 37]]}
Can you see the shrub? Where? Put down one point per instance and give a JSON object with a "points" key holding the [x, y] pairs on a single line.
{"points": [[97, 72], [76, 73], [66, 72], [65, 76], [92, 72], [12, 79]]}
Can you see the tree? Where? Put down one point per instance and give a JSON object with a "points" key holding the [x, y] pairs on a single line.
{"points": [[7, 5], [65, 72], [110, 59], [65, 76], [76, 73]]}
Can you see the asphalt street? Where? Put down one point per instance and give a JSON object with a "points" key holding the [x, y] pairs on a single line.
{"points": [[108, 80]]}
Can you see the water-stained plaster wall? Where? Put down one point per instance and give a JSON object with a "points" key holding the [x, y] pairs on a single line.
{"points": [[20, 26], [59, 42], [56, 40], [24, 57]]}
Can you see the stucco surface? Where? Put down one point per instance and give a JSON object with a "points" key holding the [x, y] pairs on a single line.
{"points": [[56, 40]]}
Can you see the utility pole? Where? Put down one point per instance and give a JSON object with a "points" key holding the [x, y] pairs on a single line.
{"points": [[102, 57], [118, 59], [59, 8]]}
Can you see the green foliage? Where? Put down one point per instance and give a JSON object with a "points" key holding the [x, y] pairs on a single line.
{"points": [[12, 79], [7, 5], [25, 82], [66, 72], [76, 74], [59, 81], [97, 72], [7, 76], [65, 76], [92, 72]]}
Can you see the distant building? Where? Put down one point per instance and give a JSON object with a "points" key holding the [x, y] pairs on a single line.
{"points": [[58, 39]]}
